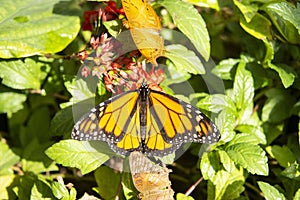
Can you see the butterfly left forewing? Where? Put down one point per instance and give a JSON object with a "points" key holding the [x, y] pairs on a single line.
{"points": [[115, 121]]}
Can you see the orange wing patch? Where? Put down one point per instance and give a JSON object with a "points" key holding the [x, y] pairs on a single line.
{"points": [[144, 25]]}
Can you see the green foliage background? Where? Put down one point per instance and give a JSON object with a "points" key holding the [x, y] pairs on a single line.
{"points": [[255, 45]]}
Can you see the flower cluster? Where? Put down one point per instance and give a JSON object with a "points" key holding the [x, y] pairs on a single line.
{"points": [[106, 61]]}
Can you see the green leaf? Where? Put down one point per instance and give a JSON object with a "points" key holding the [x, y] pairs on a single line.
{"points": [[248, 10], [184, 59], [269, 55], [6, 181], [243, 91], [8, 159], [22, 75], [173, 76], [286, 73], [297, 195], [251, 157], [180, 196], [228, 164], [292, 171], [254, 134], [228, 185], [30, 28], [38, 125], [35, 160], [11, 102], [209, 165], [226, 122], [245, 138], [272, 131], [31, 186], [260, 75], [283, 155], [63, 122], [113, 27], [224, 69], [41, 189], [190, 23], [59, 190], [108, 182], [243, 87], [270, 192], [259, 26], [73, 194], [86, 156], [286, 18], [216, 103], [206, 3], [290, 185], [81, 89], [278, 105], [128, 187]]}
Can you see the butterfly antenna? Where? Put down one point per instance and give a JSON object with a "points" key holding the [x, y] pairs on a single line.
{"points": [[191, 189]]}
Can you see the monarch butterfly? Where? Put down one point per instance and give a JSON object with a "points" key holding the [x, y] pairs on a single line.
{"points": [[145, 120], [144, 25], [150, 179]]}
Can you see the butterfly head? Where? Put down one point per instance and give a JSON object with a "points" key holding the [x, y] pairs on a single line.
{"points": [[144, 91]]}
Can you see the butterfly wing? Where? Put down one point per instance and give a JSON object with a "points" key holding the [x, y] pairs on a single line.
{"points": [[144, 27], [140, 14], [115, 121], [168, 123], [172, 122], [150, 179]]}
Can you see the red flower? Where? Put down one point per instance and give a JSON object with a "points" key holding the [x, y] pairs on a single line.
{"points": [[88, 17]]}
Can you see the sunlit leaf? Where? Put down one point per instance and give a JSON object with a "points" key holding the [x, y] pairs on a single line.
{"points": [[252, 157], [190, 23], [86, 156], [11, 102], [228, 185], [286, 18], [30, 28], [259, 26], [225, 68], [184, 59], [22, 75], [248, 10], [270, 192], [9, 158], [286, 73], [180, 196]]}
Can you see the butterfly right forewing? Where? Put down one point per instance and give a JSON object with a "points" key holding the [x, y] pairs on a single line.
{"points": [[180, 121]]}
